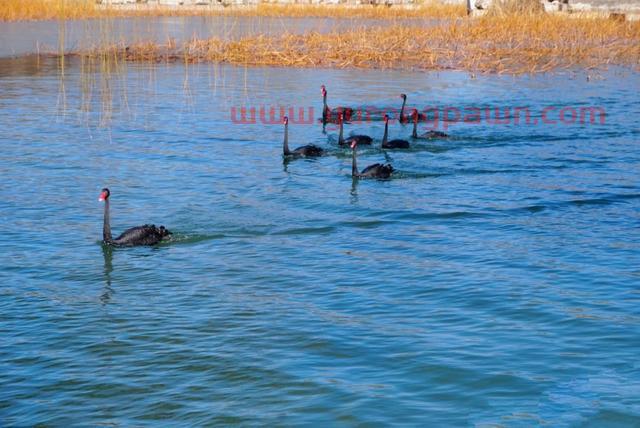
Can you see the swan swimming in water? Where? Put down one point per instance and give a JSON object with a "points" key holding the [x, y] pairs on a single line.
{"points": [[329, 116], [147, 234], [393, 144], [377, 170], [429, 135], [405, 119], [301, 152], [360, 139]]}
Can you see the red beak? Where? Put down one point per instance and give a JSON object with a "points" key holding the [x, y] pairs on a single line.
{"points": [[103, 197]]}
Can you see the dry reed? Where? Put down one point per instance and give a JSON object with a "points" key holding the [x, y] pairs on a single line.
{"points": [[20, 10], [515, 7], [428, 9], [16, 10], [513, 44]]}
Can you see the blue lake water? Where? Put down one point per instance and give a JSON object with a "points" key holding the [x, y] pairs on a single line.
{"points": [[493, 281]]}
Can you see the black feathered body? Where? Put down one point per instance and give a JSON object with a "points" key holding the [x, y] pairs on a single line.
{"points": [[358, 139], [307, 151], [395, 144], [147, 234], [377, 170], [333, 115], [432, 135]]}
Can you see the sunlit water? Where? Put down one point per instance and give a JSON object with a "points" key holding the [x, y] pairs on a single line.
{"points": [[493, 280]]}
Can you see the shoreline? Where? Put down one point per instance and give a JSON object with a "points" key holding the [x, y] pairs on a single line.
{"points": [[487, 45], [513, 44]]}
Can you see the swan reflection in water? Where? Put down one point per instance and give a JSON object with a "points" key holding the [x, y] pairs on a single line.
{"points": [[354, 190], [107, 255]]}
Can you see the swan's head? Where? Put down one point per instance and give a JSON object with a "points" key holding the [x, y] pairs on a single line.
{"points": [[323, 90], [414, 113], [285, 120], [354, 144], [386, 118], [104, 195], [403, 96]]}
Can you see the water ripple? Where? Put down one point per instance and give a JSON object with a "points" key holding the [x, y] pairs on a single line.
{"points": [[493, 281]]}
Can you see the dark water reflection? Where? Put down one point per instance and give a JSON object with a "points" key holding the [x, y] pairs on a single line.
{"points": [[107, 254], [493, 281]]}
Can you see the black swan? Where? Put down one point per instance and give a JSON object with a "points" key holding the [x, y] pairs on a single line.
{"points": [[301, 152], [328, 115], [393, 144], [377, 170], [429, 135], [360, 139], [405, 119], [148, 234]]}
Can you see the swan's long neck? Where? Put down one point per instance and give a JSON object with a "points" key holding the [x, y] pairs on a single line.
{"points": [[404, 101], [324, 109], [106, 227], [386, 132], [285, 145], [354, 165], [414, 134], [340, 135]]}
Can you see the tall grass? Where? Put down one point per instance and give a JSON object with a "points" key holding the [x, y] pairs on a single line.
{"points": [[515, 7], [510, 44], [425, 9], [20, 10], [15, 10]]}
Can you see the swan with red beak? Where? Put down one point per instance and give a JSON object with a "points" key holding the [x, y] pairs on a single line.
{"points": [[329, 116], [307, 151], [431, 134], [147, 234], [377, 170]]}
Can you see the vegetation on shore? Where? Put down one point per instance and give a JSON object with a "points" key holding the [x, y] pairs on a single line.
{"points": [[511, 44], [20, 10], [509, 40]]}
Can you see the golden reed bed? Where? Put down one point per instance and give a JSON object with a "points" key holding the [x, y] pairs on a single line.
{"points": [[514, 44], [16, 10]]}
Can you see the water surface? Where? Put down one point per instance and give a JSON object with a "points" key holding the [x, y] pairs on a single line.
{"points": [[29, 37], [493, 281]]}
